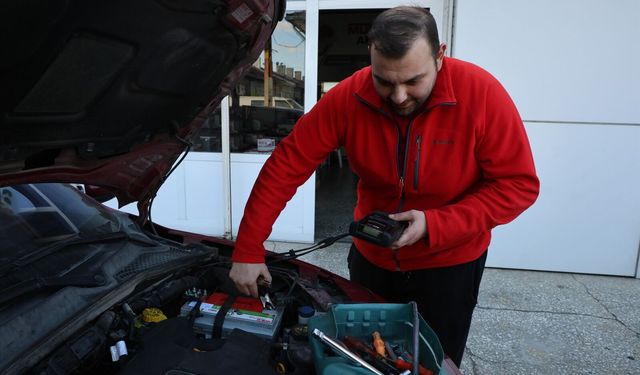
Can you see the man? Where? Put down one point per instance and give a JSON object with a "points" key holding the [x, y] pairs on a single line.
{"points": [[437, 142]]}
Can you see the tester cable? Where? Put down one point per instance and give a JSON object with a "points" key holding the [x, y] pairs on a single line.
{"points": [[293, 254]]}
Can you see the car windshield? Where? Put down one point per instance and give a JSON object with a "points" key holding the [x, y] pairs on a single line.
{"points": [[37, 215]]}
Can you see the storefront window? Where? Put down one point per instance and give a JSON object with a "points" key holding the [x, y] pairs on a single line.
{"points": [[268, 101], [210, 137]]}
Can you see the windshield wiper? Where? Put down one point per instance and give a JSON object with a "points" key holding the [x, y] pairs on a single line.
{"points": [[72, 241], [54, 247], [41, 283]]}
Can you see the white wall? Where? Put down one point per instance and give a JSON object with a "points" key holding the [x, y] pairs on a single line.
{"points": [[192, 199], [295, 223], [573, 69], [568, 60]]}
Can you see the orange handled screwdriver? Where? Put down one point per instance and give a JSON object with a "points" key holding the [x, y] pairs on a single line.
{"points": [[378, 343]]}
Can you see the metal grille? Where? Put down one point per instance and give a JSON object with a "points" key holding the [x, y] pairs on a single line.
{"points": [[150, 260]]}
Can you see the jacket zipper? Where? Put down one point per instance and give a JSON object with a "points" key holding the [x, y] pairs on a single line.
{"points": [[416, 163], [402, 164], [402, 170]]}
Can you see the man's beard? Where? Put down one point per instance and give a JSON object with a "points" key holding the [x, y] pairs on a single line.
{"points": [[408, 110]]}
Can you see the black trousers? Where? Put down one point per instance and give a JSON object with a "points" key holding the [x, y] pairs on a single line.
{"points": [[445, 296]]}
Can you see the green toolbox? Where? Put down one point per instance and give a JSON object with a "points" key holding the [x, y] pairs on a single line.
{"points": [[344, 324]]}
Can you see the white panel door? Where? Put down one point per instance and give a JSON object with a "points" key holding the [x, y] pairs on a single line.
{"points": [[587, 217], [572, 69]]}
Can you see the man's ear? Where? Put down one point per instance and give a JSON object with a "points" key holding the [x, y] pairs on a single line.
{"points": [[440, 56]]}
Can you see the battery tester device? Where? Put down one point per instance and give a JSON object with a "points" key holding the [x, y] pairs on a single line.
{"points": [[377, 228]]}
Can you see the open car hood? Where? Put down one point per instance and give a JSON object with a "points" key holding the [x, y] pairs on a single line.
{"points": [[110, 93]]}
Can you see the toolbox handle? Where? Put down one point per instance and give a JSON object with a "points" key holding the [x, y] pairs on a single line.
{"points": [[416, 338], [426, 342]]}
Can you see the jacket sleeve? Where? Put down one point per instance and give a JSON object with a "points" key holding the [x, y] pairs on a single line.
{"points": [[508, 184], [296, 157]]}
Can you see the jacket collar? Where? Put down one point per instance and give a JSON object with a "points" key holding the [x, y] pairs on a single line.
{"points": [[442, 92]]}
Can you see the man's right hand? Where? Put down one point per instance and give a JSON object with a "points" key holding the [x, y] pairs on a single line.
{"points": [[245, 276]]}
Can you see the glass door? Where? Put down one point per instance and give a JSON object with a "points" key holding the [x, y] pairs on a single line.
{"points": [[342, 49]]}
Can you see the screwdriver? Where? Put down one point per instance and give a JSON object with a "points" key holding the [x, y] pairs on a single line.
{"points": [[380, 362], [384, 362], [378, 343]]}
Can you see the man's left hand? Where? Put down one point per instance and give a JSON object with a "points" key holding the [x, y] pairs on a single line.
{"points": [[416, 230]]}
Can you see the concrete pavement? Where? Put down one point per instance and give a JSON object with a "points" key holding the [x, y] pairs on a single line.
{"points": [[530, 322]]}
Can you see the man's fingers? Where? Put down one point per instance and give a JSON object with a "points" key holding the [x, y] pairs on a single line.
{"points": [[247, 287], [253, 290], [414, 232], [245, 276], [404, 240], [266, 275], [402, 216], [264, 279], [242, 290]]}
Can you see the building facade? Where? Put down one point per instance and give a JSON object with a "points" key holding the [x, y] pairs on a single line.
{"points": [[570, 66]]}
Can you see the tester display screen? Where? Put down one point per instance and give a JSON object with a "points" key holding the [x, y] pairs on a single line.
{"points": [[371, 231], [377, 228]]}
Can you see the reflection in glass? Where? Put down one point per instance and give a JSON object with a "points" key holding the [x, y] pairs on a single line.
{"points": [[267, 102], [35, 216], [210, 136]]}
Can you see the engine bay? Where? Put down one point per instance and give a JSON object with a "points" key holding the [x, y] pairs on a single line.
{"points": [[193, 322]]}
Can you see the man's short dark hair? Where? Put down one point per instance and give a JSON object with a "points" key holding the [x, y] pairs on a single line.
{"points": [[394, 30]]}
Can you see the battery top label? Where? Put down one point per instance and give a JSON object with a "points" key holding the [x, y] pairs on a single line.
{"points": [[244, 315]]}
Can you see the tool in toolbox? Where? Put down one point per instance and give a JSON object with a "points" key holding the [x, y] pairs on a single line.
{"points": [[360, 348], [380, 361], [378, 343], [341, 350], [400, 325], [390, 353]]}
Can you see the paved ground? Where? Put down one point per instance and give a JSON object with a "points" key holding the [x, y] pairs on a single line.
{"points": [[531, 322]]}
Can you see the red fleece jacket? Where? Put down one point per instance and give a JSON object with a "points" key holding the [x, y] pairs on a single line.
{"points": [[468, 166]]}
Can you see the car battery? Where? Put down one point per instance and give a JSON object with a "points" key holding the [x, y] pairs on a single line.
{"points": [[264, 323]]}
